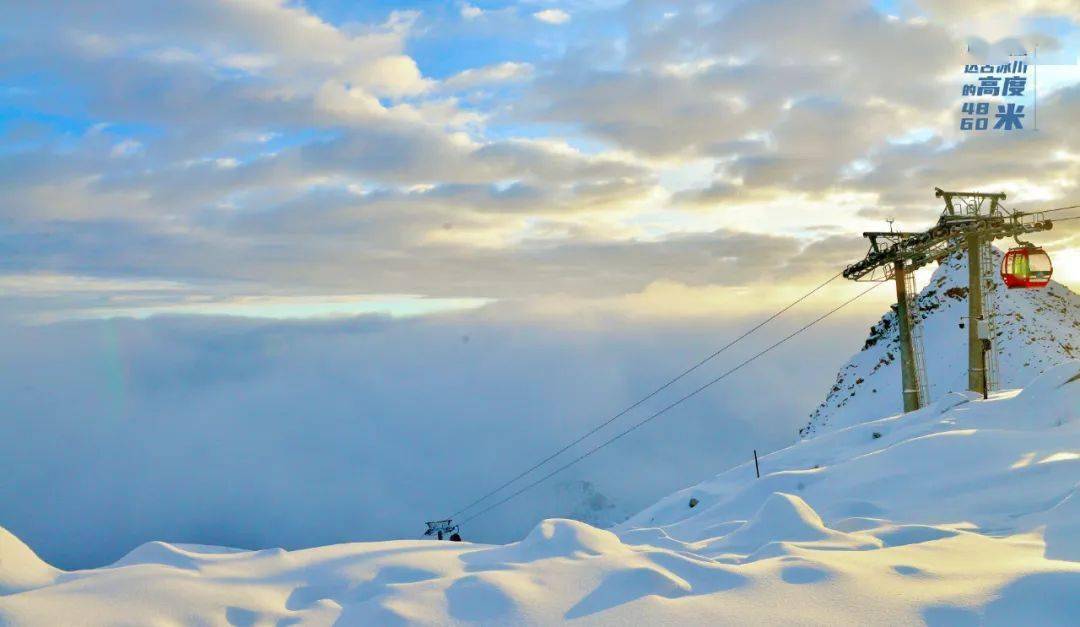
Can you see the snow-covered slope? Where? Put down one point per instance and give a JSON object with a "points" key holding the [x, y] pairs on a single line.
{"points": [[965, 512], [20, 568], [1036, 329]]}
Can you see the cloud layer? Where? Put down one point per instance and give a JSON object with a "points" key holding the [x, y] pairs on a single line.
{"points": [[259, 434]]}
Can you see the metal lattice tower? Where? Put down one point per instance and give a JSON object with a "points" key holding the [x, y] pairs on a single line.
{"points": [[990, 312], [922, 382]]}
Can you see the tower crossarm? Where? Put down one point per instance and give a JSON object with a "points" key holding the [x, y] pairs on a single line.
{"points": [[964, 204], [916, 250]]}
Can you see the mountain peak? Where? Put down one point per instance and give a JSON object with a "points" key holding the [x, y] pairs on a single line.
{"points": [[1034, 330]]}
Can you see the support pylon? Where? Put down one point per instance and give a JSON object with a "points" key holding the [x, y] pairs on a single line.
{"points": [[907, 353], [976, 354], [990, 302]]}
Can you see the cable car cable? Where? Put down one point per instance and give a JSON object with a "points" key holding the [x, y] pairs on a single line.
{"points": [[1036, 212], [1059, 209], [674, 404], [646, 398]]}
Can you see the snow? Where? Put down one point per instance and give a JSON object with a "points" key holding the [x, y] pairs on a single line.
{"points": [[20, 568], [1035, 330], [964, 512]]}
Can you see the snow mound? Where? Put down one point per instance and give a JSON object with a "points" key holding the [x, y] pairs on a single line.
{"points": [[187, 556], [786, 518], [21, 568], [555, 537], [1062, 533], [565, 537], [783, 516]]}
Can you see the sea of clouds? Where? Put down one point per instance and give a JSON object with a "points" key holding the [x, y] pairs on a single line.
{"points": [[256, 433]]}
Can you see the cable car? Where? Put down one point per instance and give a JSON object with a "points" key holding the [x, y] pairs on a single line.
{"points": [[1026, 266]]}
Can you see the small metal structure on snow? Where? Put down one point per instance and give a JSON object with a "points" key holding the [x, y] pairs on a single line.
{"points": [[442, 528]]}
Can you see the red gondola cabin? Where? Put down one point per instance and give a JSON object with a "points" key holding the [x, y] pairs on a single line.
{"points": [[1026, 266]]}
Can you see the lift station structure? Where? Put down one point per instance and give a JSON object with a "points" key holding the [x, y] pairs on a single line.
{"points": [[969, 222]]}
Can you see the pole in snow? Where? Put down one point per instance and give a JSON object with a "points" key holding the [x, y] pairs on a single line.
{"points": [[757, 469]]}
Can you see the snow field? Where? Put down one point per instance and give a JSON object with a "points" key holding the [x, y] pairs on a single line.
{"points": [[964, 512]]}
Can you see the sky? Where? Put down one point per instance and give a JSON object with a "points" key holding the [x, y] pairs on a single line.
{"points": [[446, 227], [316, 158]]}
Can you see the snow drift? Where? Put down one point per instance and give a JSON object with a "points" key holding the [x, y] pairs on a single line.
{"points": [[20, 568], [964, 512]]}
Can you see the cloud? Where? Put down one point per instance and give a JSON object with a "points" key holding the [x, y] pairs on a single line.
{"points": [[552, 16], [508, 71], [226, 67], [813, 111], [126, 147], [470, 12], [261, 146], [660, 103], [962, 8], [264, 434], [394, 75]]}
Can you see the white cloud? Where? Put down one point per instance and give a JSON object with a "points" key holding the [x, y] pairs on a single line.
{"points": [[508, 71], [392, 75], [252, 63], [126, 148], [552, 16], [470, 12]]}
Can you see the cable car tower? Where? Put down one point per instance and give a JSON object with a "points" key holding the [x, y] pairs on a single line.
{"points": [[443, 529], [969, 222]]}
